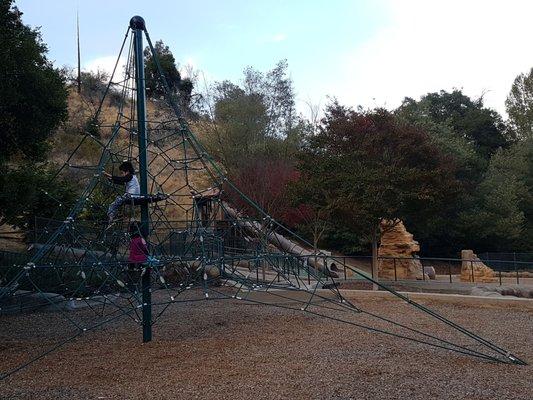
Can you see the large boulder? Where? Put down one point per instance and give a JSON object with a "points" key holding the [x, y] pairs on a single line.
{"points": [[400, 246], [474, 270]]}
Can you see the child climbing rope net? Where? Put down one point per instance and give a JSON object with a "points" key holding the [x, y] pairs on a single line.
{"points": [[133, 189]]}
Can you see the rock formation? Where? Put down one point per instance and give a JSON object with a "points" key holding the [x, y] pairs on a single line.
{"points": [[473, 269], [398, 243]]}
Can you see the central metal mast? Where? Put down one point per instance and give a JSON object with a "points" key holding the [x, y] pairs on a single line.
{"points": [[138, 27]]}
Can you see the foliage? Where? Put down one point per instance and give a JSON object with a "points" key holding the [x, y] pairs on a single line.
{"points": [[29, 192], [311, 209], [505, 201], [254, 119], [94, 87], [239, 126], [372, 166], [96, 209], [467, 119], [454, 121], [182, 87], [277, 94], [519, 105], [32, 92], [265, 180], [255, 133]]}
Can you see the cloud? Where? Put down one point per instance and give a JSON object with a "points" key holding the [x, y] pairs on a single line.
{"points": [[479, 46], [106, 64], [278, 37], [188, 67]]}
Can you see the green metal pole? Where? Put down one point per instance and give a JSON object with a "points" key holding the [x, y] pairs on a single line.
{"points": [[138, 27]]}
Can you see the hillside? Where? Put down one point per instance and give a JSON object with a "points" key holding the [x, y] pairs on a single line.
{"points": [[71, 152], [163, 150]]}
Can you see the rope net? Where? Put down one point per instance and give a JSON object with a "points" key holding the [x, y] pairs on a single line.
{"points": [[202, 247]]}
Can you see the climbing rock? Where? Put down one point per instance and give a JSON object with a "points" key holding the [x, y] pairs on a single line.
{"points": [[430, 272], [212, 271], [473, 269], [396, 242], [176, 272]]}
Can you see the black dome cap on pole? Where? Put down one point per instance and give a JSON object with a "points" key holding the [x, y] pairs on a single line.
{"points": [[137, 22]]}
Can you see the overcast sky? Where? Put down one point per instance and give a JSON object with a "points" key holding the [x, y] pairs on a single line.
{"points": [[370, 53]]}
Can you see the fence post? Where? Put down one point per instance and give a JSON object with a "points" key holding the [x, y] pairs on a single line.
{"points": [[450, 270], [344, 265], [395, 276], [516, 270], [308, 271], [500, 273], [472, 269]]}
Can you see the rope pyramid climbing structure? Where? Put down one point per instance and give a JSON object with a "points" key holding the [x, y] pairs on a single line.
{"points": [[200, 245]]}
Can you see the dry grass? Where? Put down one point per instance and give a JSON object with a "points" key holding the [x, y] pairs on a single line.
{"points": [[167, 179]]}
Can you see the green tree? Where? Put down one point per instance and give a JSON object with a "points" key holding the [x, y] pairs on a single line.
{"points": [[467, 118], [444, 233], [29, 192], [503, 214], [33, 97], [256, 119], [519, 105], [154, 85], [33, 103], [374, 166], [469, 134]]}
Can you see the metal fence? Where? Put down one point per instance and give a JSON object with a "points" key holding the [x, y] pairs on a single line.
{"points": [[449, 267], [342, 267], [9, 258]]}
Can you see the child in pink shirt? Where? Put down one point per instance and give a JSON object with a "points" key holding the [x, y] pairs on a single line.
{"points": [[138, 248]]}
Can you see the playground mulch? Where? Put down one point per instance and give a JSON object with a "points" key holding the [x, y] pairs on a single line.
{"points": [[232, 350]]}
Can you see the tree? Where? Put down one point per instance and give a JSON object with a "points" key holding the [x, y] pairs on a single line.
{"points": [[311, 209], [254, 131], [266, 181], [253, 119], [154, 85], [469, 134], [374, 166], [33, 96], [238, 130], [504, 211], [276, 90], [467, 118], [519, 105], [31, 192]]}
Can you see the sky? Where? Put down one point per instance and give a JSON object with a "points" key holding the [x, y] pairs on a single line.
{"points": [[363, 52]]}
